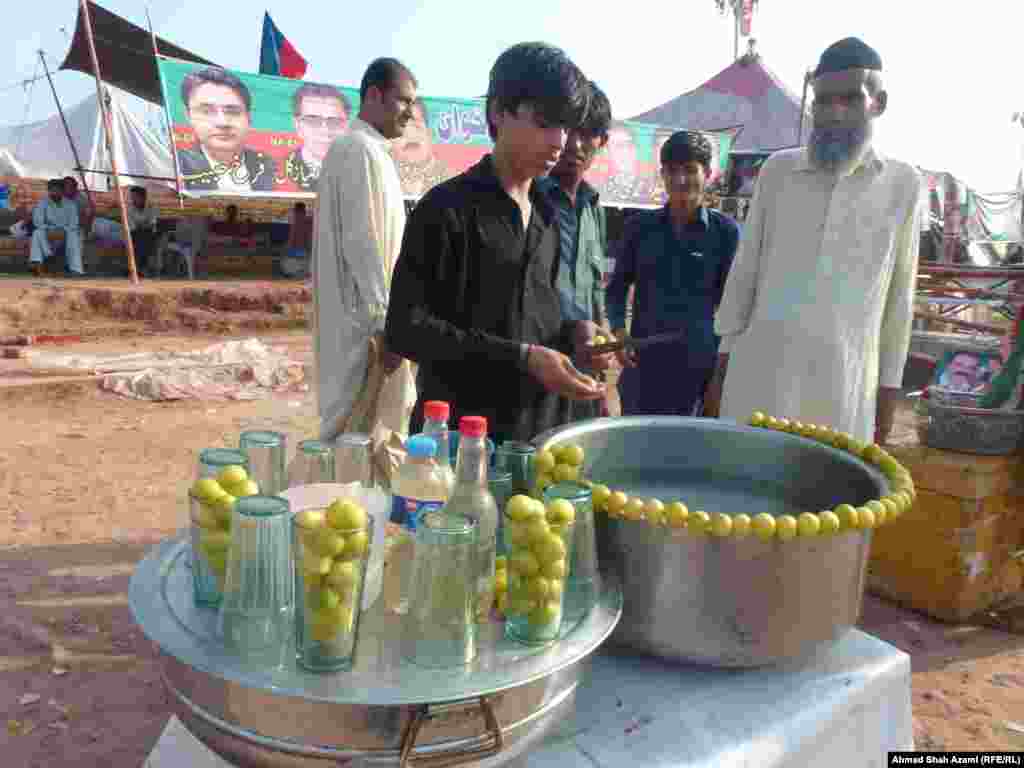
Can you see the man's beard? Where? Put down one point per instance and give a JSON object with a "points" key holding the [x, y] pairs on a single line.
{"points": [[837, 148]]}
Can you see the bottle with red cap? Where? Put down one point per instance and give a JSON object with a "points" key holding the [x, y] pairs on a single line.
{"points": [[471, 496], [436, 414]]}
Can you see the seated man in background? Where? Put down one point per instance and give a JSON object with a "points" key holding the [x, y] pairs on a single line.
{"points": [[142, 222], [300, 238], [55, 213]]}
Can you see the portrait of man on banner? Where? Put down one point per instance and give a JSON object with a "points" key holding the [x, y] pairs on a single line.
{"points": [[623, 164], [219, 108], [419, 168], [321, 114]]}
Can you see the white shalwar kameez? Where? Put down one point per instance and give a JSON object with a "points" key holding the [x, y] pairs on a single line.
{"points": [[49, 216], [359, 219], [818, 305]]}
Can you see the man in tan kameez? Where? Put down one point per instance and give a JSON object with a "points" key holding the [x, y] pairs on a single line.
{"points": [[360, 217]]}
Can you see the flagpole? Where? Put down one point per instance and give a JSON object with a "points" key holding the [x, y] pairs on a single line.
{"points": [[167, 112], [108, 124], [737, 9]]}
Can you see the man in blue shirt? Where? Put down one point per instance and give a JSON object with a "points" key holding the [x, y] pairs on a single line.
{"points": [[581, 226], [677, 260]]}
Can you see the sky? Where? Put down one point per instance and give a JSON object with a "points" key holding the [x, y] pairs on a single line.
{"points": [[950, 68]]}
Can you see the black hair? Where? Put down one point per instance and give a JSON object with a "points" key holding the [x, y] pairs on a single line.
{"points": [[55, 184], [542, 76], [217, 76], [300, 207], [136, 190], [72, 179], [599, 114], [316, 90], [686, 146], [383, 74]]}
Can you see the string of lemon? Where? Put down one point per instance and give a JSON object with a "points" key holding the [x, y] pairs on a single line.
{"points": [[564, 463]]}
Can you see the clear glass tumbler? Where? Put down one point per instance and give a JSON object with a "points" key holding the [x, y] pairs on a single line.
{"points": [[257, 612], [517, 458], [439, 629], [331, 550], [313, 463], [583, 583], [221, 474], [353, 459], [499, 481], [539, 555], [266, 451]]}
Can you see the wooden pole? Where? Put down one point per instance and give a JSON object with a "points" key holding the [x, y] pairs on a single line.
{"points": [[67, 131], [737, 9], [108, 124], [167, 113]]}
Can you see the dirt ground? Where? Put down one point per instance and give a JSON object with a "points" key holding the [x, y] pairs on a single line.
{"points": [[89, 481]]}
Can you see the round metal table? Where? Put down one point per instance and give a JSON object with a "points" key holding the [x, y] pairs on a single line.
{"points": [[384, 711]]}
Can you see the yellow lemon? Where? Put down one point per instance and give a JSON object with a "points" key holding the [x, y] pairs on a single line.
{"points": [[345, 514], [550, 549], [784, 425], [699, 523], [500, 563], [617, 501], [654, 511], [328, 542], [310, 519], [573, 454], [892, 510], [866, 519], [207, 489], [763, 526], [757, 419], [223, 507], [830, 522], [771, 422], [544, 462], [565, 473], [878, 508], [634, 509], [677, 514], [314, 564], [357, 544], [233, 475], [343, 575], [519, 507], [536, 529], [545, 614], [524, 563], [721, 524], [848, 516], [786, 527], [740, 525], [554, 570], [872, 453], [545, 480], [501, 581], [808, 524], [537, 588], [599, 495]]}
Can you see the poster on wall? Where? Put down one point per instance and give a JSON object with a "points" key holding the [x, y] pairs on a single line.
{"points": [[243, 134]]}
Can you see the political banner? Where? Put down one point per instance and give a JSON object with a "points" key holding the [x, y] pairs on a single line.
{"points": [[244, 134]]}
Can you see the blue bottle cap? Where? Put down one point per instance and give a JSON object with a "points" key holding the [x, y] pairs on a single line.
{"points": [[421, 446]]}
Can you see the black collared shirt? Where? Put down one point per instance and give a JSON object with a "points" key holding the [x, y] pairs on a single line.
{"points": [[471, 285]]}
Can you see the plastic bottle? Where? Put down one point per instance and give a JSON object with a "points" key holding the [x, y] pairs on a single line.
{"points": [[419, 486], [472, 497], [435, 424]]}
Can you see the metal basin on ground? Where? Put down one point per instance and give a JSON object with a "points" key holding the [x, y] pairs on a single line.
{"points": [[731, 602], [258, 716]]}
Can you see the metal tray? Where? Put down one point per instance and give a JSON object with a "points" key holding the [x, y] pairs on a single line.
{"points": [[382, 709]]}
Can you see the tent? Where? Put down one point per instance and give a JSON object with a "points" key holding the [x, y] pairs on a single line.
{"points": [[746, 94], [41, 150], [125, 53]]}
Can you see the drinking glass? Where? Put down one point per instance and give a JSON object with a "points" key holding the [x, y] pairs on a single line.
{"points": [[353, 459], [266, 452], [540, 552], [583, 583], [257, 612], [210, 509], [313, 463], [330, 555], [439, 628]]}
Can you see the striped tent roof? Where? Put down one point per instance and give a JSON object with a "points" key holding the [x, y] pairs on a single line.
{"points": [[747, 94]]}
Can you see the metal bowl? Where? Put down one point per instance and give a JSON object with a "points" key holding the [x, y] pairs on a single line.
{"points": [[981, 431], [727, 602]]}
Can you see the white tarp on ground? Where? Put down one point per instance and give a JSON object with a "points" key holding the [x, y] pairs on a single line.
{"points": [[41, 150], [231, 370]]}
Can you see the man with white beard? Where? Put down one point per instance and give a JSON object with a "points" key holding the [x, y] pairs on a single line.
{"points": [[816, 316]]}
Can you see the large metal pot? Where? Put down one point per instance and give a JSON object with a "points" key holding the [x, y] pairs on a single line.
{"points": [[383, 712], [730, 602]]}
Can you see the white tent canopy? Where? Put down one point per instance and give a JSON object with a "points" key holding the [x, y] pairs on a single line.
{"points": [[41, 150]]}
